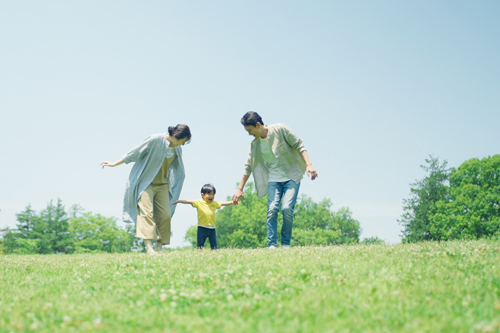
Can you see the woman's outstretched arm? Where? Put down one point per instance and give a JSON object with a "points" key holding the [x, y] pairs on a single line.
{"points": [[111, 164]]}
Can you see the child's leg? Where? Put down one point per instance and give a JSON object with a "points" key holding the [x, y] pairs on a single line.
{"points": [[201, 237], [212, 238]]}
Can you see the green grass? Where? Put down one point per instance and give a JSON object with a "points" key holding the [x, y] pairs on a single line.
{"points": [[427, 287]]}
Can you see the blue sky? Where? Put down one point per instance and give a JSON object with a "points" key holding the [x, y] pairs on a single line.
{"points": [[372, 88]]}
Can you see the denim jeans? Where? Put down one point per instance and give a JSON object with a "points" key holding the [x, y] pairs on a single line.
{"points": [[276, 191], [203, 234]]}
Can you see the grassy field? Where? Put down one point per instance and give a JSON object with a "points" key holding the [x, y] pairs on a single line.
{"points": [[427, 287]]}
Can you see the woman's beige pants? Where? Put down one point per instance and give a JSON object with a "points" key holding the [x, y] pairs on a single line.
{"points": [[153, 219]]}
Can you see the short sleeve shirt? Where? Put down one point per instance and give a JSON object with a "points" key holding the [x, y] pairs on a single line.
{"points": [[206, 212]]}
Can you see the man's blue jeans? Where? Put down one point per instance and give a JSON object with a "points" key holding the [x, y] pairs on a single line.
{"points": [[276, 191]]}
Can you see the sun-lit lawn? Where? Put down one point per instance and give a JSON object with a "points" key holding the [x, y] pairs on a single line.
{"points": [[427, 287]]}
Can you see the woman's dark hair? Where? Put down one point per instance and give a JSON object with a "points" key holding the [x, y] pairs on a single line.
{"points": [[251, 118], [180, 131], [207, 188]]}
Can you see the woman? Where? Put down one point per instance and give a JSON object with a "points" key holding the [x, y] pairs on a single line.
{"points": [[154, 183]]}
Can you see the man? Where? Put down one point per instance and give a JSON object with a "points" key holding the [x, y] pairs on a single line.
{"points": [[278, 160]]}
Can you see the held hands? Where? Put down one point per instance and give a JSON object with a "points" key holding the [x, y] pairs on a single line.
{"points": [[311, 172], [239, 194]]}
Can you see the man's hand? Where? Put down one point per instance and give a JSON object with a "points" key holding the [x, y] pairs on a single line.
{"points": [[311, 172], [239, 194]]}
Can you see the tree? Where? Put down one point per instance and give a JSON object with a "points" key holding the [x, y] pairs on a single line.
{"points": [[472, 209], [244, 225], [45, 232], [373, 241], [26, 222], [96, 233], [315, 224], [55, 230], [424, 195]]}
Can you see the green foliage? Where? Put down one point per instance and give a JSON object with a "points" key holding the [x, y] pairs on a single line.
{"points": [[137, 244], [373, 241], [469, 208], [473, 207], [244, 225], [425, 287], [26, 246], [315, 224], [191, 235], [424, 195], [55, 230], [45, 233], [96, 233]]}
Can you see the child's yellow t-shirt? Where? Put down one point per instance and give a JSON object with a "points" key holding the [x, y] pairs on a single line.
{"points": [[206, 212]]}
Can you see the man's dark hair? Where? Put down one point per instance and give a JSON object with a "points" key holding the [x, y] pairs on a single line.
{"points": [[180, 131], [251, 118], [207, 188]]}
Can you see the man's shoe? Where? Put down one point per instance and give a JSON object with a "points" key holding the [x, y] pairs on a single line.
{"points": [[272, 247], [285, 246]]}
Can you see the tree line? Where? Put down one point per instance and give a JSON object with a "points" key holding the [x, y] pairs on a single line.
{"points": [[244, 225], [56, 229], [454, 203], [448, 203]]}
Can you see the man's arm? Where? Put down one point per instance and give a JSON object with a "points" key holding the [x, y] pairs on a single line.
{"points": [[291, 138], [239, 192], [311, 172], [189, 202]]}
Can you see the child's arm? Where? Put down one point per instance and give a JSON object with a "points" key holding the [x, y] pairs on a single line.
{"points": [[226, 203], [189, 202]]}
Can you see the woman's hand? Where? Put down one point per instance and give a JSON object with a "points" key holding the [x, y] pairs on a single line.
{"points": [[111, 164], [107, 163]]}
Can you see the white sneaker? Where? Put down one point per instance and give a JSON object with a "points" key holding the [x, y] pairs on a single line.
{"points": [[285, 246], [272, 247]]}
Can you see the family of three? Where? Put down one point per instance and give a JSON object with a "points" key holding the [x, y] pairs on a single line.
{"points": [[277, 158]]}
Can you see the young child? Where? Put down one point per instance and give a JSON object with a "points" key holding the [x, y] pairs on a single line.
{"points": [[206, 215]]}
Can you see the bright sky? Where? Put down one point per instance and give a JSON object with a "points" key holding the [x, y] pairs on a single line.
{"points": [[372, 88]]}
